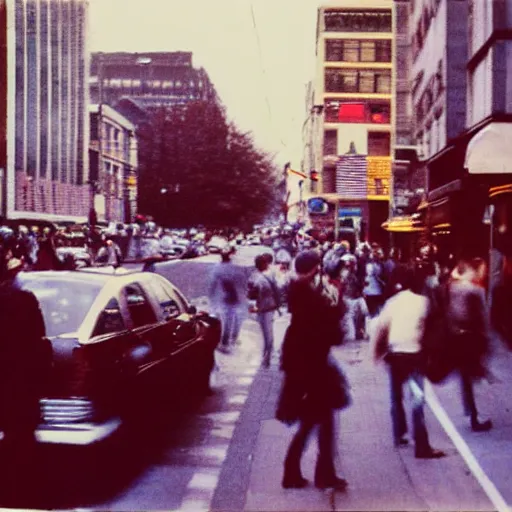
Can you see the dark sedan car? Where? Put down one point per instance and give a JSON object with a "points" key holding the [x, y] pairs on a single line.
{"points": [[115, 336]]}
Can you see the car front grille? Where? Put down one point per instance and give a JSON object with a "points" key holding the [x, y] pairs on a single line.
{"points": [[57, 411]]}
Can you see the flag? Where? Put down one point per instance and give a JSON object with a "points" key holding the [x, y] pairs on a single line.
{"points": [[351, 181]]}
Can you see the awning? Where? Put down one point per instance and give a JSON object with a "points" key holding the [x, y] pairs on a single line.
{"points": [[490, 150], [403, 225]]}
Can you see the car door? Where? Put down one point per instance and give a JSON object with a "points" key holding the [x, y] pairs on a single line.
{"points": [[103, 365], [178, 328], [143, 323]]}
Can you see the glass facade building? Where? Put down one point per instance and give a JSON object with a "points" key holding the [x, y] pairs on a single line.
{"points": [[48, 156]]}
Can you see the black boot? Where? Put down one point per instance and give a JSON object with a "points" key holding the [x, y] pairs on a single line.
{"points": [[483, 426], [293, 481]]}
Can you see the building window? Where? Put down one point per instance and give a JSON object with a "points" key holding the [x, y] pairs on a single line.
{"points": [[366, 81], [330, 142], [340, 80], [380, 113], [348, 50], [383, 83], [94, 127], [379, 143], [357, 111], [369, 81], [377, 20]]}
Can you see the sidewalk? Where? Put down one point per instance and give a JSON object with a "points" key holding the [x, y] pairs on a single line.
{"points": [[381, 477]]}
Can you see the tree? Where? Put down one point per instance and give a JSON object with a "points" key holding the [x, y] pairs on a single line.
{"points": [[197, 168]]}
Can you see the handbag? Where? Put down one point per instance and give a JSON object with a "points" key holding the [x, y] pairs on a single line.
{"points": [[337, 385]]}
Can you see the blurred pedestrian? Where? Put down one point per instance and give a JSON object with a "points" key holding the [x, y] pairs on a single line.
{"points": [[357, 311], [314, 386], [47, 258], [265, 301], [374, 284], [501, 300], [396, 339], [227, 295], [25, 359], [110, 253], [467, 312], [283, 273]]}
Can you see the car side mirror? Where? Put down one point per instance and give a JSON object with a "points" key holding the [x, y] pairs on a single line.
{"points": [[192, 310]]}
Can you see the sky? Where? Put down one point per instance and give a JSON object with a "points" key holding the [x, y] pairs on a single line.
{"points": [[259, 73]]}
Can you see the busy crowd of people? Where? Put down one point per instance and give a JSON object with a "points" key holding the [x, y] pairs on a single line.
{"points": [[426, 317]]}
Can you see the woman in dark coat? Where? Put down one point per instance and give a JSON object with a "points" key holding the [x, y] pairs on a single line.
{"points": [[313, 385]]}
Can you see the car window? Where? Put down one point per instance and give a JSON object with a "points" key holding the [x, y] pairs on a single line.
{"points": [[139, 308], [183, 301], [110, 319], [169, 304], [64, 303]]}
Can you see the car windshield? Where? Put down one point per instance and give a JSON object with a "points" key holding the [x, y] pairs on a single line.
{"points": [[64, 302]]}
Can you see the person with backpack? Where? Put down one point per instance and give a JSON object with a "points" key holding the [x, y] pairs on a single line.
{"points": [[227, 285], [264, 297]]}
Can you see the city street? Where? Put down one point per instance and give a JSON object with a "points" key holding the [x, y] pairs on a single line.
{"points": [[225, 451]]}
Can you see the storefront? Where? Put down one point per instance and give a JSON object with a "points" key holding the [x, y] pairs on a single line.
{"points": [[406, 235], [470, 183]]}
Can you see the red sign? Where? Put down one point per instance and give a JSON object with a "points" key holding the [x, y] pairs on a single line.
{"points": [[352, 112]]}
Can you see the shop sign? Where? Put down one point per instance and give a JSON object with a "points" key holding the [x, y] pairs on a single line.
{"points": [[318, 206], [349, 212]]}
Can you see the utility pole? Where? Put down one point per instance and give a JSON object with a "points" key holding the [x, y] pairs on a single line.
{"points": [[103, 180]]}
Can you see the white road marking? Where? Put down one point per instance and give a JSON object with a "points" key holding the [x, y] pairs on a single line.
{"points": [[223, 417], [194, 505], [204, 481], [217, 454], [237, 400], [487, 485]]}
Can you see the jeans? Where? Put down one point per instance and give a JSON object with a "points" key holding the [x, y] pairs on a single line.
{"points": [[266, 321], [403, 367], [354, 319], [468, 396], [325, 470], [231, 320]]}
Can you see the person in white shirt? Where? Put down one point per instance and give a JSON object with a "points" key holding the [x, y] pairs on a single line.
{"points": [[396, 338]]}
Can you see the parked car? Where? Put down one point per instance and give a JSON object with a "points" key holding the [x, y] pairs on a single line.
{"points": [[79, 255], [115, 336], [170, 249], [216, 243]]}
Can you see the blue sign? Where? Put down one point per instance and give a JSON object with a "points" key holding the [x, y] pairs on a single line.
{"points": [[350, 212], [318, 205]]}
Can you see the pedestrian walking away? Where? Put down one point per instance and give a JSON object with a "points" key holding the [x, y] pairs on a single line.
{"points": [[314, 386], [264, 301], [396, 339], [469, 326], [227, 295]]}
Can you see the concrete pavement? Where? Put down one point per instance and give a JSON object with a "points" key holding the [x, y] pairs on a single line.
{"points": [[380, 476]]}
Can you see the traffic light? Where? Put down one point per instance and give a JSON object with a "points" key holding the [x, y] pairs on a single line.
{"points": [[313, 175]]}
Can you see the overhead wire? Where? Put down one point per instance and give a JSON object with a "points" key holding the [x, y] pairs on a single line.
{"points": [[263, 71]]}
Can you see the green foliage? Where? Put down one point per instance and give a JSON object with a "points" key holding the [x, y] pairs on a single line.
{"points": [[197, 168]]}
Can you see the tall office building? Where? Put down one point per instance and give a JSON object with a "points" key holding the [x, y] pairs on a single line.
{"points": [[138, 83], [353, 92], [47, 149]]}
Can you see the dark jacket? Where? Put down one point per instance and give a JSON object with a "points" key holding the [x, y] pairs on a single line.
{"points": [[310, 371], [25, 356]]}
